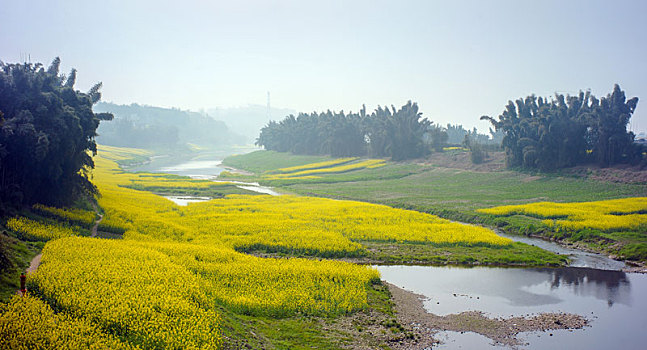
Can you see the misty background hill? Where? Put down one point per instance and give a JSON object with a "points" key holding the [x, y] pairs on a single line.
{"points": [[144, 126]]}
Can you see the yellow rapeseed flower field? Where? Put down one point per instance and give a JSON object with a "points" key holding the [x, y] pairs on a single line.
{"points": [[34, 230], [316, 169], [121, 153], [161, 286], [608, 215], [318, 165], [29, 323], [83, 217], [129, 289]]}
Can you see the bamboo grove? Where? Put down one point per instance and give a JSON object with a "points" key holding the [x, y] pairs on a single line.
{"points": [[548, 134], [398, 134], [47, 132]]}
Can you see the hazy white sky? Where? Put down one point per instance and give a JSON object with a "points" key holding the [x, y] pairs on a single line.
{"points": [[457, 59]]}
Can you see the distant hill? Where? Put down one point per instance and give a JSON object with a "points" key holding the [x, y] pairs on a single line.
{"points": [[249, 120], [143, 126]]}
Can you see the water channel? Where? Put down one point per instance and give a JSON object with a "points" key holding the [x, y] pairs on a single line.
{"points": [[593, 286], [201, 169]]}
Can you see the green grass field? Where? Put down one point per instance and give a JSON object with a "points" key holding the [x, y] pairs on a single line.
{"points": [[456, 194]]}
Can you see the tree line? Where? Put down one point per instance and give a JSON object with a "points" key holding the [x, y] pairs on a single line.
{"points": [[535, 132], [385, 133], [548, 134], [47, 132]]}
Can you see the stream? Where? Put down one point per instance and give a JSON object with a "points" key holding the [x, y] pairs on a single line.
{"points": [[579, 258], [199, 169]]}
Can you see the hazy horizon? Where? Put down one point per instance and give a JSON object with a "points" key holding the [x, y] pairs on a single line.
{"points": [[457, 60]]}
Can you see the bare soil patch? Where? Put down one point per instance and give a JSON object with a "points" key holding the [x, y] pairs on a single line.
{"points": [[495, 161], [620, 173]]}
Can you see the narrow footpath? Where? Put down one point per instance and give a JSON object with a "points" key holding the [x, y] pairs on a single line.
{"points": [[35, 262], [96, 226]]}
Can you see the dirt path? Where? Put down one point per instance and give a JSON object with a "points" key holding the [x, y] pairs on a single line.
{"points": [[96, 226], [412, 314], [35, 261]]}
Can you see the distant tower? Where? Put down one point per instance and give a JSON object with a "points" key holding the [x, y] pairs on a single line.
{"points": [[268, 106]]}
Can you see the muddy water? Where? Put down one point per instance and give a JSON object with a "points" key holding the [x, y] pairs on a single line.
{"points": [[614, 302]]}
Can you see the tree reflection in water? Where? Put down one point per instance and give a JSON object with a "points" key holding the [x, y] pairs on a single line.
{"points": [[612, 286]]}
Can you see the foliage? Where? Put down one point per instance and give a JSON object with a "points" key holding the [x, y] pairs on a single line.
{"points": [[128, 290], [47, 135], [477, 153], [318, 170], [15, 257], [398, 134], [311, 226], [29, 323], [435, 137], [456, 194], [34, 230], [312, 166], [82, 217], [608, 215], [548, 135]]}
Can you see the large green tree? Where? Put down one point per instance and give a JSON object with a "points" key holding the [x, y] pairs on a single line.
{"points": [[47, 132]]}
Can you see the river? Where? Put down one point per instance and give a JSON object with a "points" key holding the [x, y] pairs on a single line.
{"points": [[593, 286], [613, 301]]}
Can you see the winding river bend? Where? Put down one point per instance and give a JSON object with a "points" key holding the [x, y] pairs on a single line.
{"points": [[202, 169], [593, 286]]}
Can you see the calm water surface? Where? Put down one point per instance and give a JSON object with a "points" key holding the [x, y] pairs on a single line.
{"points": [[194, 168], [202, 169], [185, 200], [614, 301]]}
